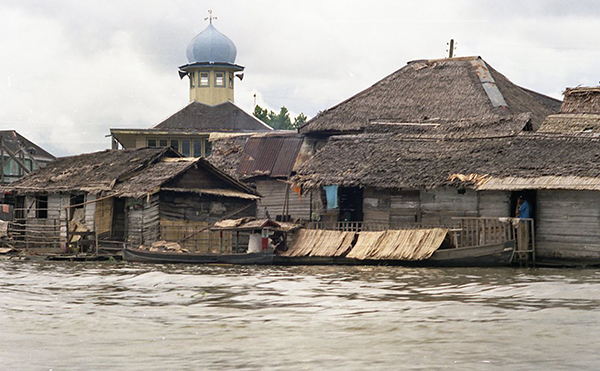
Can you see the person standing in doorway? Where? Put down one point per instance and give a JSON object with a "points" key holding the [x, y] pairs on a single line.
{"points": [[523, 212]]}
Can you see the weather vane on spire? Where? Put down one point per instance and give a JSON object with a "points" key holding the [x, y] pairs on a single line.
{"points": [[210, 16]]}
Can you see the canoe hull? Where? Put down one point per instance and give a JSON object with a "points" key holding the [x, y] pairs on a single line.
{"points": [[143, 256]]}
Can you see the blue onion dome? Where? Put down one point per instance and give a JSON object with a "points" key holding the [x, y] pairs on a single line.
{"points": [[211, 46]]}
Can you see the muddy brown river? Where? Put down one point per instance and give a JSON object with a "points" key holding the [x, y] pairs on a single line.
{"points": [[120, 316]]}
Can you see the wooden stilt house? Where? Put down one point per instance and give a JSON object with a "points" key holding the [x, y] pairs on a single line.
{"points": [[133, 196]]}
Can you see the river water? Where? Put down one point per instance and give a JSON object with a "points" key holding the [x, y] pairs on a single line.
{"points": [[121, 316]]}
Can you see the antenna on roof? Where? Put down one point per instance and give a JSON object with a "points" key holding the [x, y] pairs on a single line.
{"points": [[210, 16], [451, 48]]}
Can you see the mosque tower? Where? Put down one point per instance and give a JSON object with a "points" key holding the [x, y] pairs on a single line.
{"points": [[211, 66]]}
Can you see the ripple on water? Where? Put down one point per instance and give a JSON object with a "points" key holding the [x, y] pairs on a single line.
{"points": [[69, 316]]}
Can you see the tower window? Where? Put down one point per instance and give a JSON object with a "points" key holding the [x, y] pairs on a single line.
{"points": [[204, 81], [192, 79], [230, 80], [220, 79]]}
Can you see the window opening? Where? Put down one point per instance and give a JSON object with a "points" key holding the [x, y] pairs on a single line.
{"points": [[197, 147], [185, 147], [41, 207], [220, 79], [204, 81], [230, 80], [152, 143]]}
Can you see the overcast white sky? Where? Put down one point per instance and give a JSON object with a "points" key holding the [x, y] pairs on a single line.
{"points": [[71, 70]]}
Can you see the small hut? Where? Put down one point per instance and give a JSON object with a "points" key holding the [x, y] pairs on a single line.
{"points": [[135, 196]]}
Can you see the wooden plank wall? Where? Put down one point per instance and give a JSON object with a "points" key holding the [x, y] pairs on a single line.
{"points": [[494, 204], [183, 214], [273, 197], [405, 207], [439, 205], [568, 224], [376, 205], [103, 215], [143, 222]]}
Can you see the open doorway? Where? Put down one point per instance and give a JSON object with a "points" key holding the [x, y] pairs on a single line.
{"points": [[351, 204], [119, 219], [528, 195]]}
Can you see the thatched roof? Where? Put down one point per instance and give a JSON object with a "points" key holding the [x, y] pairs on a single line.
{"points": [[126, 173], [581, 100], [199, 117], [158, 175], [91, 172], [486, 125], [447, 89], [401, 161], [580, 112], [227, 153]]}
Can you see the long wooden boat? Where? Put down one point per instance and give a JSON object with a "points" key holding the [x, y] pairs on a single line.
{"points": [[144, 256], [493, 255]]}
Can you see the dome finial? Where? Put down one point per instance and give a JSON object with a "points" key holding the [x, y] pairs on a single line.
{"points": [[210, 16]]}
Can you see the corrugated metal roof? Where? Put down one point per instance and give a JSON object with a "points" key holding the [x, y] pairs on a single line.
{"points": [[269, 156]]}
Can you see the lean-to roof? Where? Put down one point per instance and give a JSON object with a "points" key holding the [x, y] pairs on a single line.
{"points": [[446, 89]]}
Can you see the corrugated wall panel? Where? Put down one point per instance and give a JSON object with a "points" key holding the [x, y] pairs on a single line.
{"points": [[273, 198]]}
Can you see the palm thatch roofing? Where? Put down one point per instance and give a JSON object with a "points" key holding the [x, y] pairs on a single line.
{"points": [[580, 112], [414, 162], [159, 175], [123, 173], [91, 172], [486, 125], [581, 100], [199, 117], [447, 89]]}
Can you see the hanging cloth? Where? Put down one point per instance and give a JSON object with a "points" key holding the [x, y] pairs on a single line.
{"points": [[332, 196], [298, 190]]}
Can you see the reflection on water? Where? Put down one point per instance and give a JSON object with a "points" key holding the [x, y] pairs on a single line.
{"points": [[74, 316]]}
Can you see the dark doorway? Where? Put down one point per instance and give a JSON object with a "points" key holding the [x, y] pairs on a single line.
{"points": [[529, 195], [75, 203], [351, 204], [118, 220]]}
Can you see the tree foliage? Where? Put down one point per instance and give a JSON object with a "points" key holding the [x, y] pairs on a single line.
{"points": [[281, 120]]}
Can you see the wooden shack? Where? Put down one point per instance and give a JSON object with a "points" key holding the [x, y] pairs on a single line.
{"points": [[432, 179], [134, 196], [267, 161]]}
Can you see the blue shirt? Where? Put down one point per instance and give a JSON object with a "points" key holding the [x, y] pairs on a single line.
{"points": [[525, 210]]}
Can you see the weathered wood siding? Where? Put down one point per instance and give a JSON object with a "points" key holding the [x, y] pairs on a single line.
{"points": [[568, 224], [440, 205], [184, 214], [103, 216], [494, 204], [273, 194], [143, 221], [405, 207], [376, 205]]}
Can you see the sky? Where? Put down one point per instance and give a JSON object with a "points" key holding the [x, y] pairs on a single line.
{"points": [[70, 70]]}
